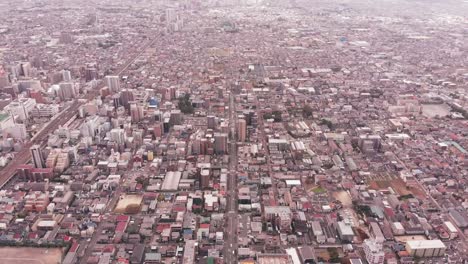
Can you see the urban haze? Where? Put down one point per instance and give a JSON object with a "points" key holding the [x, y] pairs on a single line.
{"points": [[233, 131]]}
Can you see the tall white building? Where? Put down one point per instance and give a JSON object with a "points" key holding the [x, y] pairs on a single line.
{"points": [[6, 121], [18, 131], [171, 15], [66, 91], [374, 251], [45, 110], [113, 82], [66, 75], [21, 108], [118, 135]]}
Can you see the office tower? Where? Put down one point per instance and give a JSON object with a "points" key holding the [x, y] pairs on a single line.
{"points": [[113, 82], [158, 129], [173, 91], [116, 100], [176, 117], [136, 112], [118, 135], [241, 130], [171, 15], [174, 21], [24, 172], [21, 108], [211, 122], [205, 176], [126, 96], [157, 116], [37, 156], [90, 72], [66, 76], [4, 79], [18, 132], [25, 69], [66, 91], [196, 146], [221, 142], [167, 94]]}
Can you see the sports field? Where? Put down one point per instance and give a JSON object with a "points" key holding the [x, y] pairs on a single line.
{"points": [[28, 255]]}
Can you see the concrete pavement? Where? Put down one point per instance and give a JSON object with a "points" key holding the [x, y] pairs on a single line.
{"points": [[230, 244]]}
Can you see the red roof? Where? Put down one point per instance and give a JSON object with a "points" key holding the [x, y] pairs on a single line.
{"points": [[389, 212], [67, 225], [205, 226], [150, 195], [122, 260], [74, 247], [178, 208], [123, 218], [161, 227], [108, 249], [307, 205], [121, 226]]}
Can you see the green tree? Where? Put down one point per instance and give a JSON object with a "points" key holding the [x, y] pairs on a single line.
{"points": [[185, 104]]}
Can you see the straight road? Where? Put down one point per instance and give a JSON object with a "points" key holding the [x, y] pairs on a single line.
{"points": [[230, 244], [24, 155]]}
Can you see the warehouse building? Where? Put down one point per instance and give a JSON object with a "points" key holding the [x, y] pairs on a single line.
{"points": [[425, 248]]}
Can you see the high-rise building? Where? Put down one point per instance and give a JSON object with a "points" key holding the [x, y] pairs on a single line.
{"points": [[171, 15], [66, 76], [113, 82], [211, 122], [205, 175], [21, 108], [176, 117], [174, 22], [158, 129], [241, 130], [66, 91], [90, 72], [4, 79], [373, 251], [136, 112], [37, 156], [25, 69], [118, 135], [221, 142], [126, 96]]}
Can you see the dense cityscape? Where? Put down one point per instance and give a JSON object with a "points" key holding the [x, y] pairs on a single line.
{"points": [[234, 131]]}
